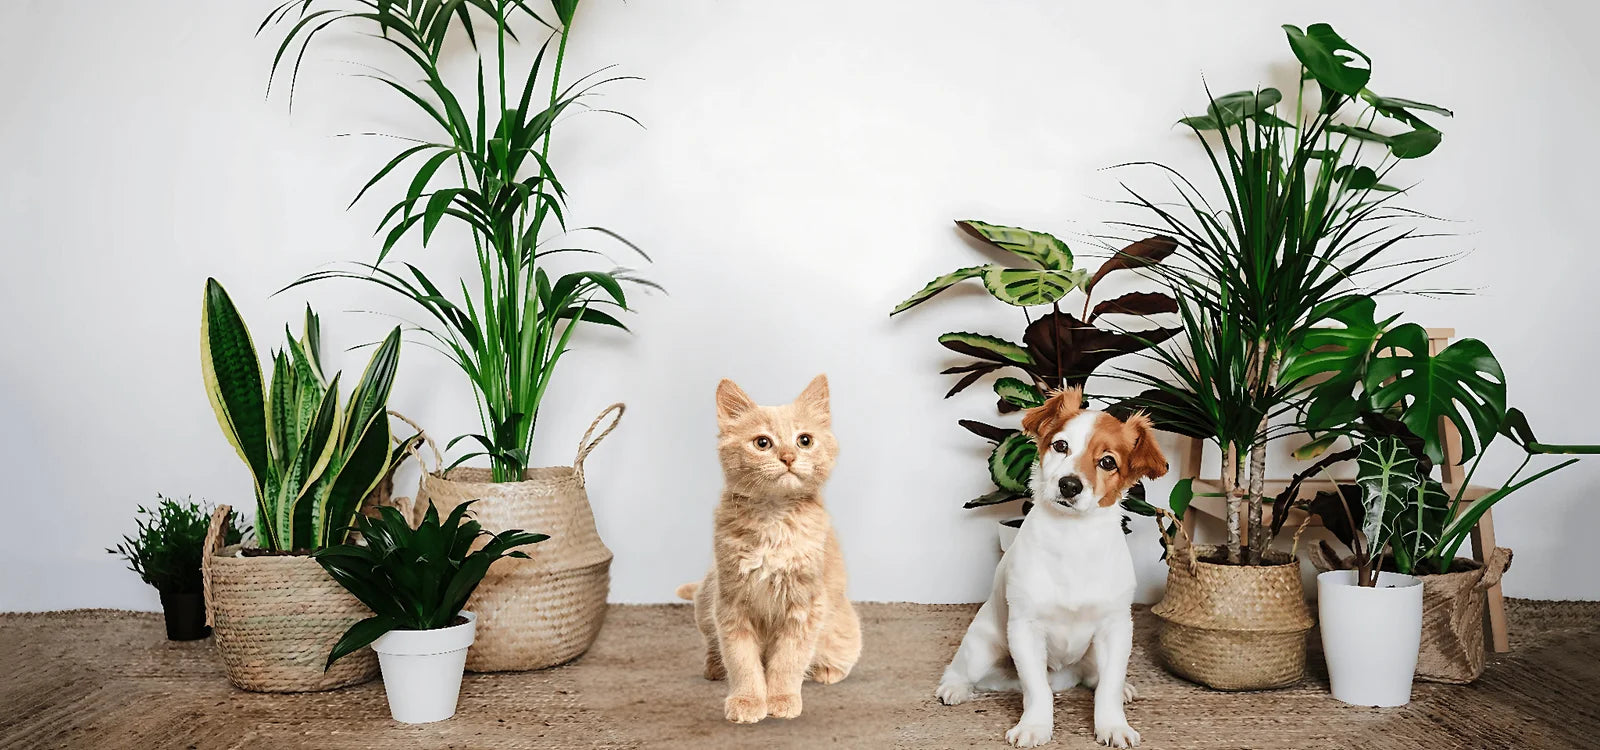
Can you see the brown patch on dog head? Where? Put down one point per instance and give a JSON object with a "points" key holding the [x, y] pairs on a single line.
{"points": [[1044, 421], [1119, 454]]}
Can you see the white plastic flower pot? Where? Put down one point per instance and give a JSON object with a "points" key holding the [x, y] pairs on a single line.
{"points": [[422, 670], [1370, 636], [1008, 532]]}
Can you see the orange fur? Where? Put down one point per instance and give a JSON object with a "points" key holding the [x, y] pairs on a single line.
{"points": [[773, 608], [1047, 419], [1131, 445]]}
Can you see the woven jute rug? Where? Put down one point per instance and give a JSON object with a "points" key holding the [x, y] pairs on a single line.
{"points": [[106, 679]]}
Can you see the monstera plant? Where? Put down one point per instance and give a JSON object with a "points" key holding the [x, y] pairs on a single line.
{"points": [[1058, 349], [312, 461]]}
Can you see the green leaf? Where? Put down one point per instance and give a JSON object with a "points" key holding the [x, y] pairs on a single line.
{"points": [[938, 285], [1038, 247], [1024, 287], [1414, 144], [1463, 384], [232, 377], [1018, 393], [1340, 355], [1416, 523], [1331, 60], [1011, 463], [987, 348], [1182, 494], [1386, 473], [1396, 108], [360, 636], [1231, 109]]}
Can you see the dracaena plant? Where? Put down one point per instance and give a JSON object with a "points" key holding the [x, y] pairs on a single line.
{"points": [[482, 166], [1381, 390], [167, 548], [1058, 349], [1298, 221], [414, 579], [312, 461]]}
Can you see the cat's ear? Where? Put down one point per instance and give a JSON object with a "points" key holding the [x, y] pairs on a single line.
{"points": [[732, 401], [815, 396]]}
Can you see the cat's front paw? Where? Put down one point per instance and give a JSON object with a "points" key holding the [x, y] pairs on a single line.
{"points": [[783, 706], [828, 675], [745, 709], [1029, 735], [1117, 736]]}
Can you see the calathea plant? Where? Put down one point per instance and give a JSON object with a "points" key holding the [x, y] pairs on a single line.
{"points": [[1383, 391], [484, 168], [414, 579], [1058, 349], [312, 462], [1298, 220]]}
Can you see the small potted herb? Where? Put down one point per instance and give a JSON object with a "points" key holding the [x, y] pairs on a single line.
{"points": [[166, 554], [416, 582]]}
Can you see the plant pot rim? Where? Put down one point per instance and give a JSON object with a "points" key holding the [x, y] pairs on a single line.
{"points": [[479, 476], [1404, 582], [1270, 560], [429, 642]]}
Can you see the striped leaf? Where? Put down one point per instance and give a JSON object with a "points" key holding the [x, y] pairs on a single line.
{"points": [[1038, 247], [988, 348], [1018, 393], [938, 285], [1011, 463], [233, 379], [1025, 287], [1387, 473]]}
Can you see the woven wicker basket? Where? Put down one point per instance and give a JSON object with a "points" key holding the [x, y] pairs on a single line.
{"points": [[276, 618], [1452, 619], [1234, 627], [545, 610]]}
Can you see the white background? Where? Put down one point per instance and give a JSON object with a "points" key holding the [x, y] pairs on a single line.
{"points": [[798, 174]]}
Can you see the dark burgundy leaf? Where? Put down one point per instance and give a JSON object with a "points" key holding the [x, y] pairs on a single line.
{"points": [[971, 377], [1288, 498], [1338, 511], [1145, 252], [1066, 351], [987, 431], [958, 369], [1136, 303]]}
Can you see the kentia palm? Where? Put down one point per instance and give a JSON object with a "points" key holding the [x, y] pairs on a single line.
{"points": [[509, 327]]}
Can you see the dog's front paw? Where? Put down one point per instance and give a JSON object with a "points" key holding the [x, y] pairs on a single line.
{"points": [[1129, 693], [1029, 735], [1117, 736], [954, 693], [783, 706], [745, 709]]}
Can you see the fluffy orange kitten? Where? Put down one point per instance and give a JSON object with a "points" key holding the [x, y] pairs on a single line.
{"points": [[773, 608]]}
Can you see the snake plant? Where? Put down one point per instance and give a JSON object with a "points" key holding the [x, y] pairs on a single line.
{"points": [[312, 462], [414, 579]]}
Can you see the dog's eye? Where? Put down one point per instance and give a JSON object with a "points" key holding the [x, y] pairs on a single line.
{"points": [[763, 442], [1108, 463], [804, 441], [1060, 446]]}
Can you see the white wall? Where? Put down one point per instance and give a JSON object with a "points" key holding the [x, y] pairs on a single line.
{"points": [[798, 177]]}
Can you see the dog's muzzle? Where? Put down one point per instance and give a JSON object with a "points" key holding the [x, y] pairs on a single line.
{"points": [[1070, 487]]}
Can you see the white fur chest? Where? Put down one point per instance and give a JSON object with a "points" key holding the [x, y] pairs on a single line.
{"points": [[1064, 567]]}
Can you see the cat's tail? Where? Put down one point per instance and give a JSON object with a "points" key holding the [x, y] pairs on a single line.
{"points": [[688, 590]]}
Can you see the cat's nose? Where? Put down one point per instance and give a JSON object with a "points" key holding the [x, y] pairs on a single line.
{"points": [[1070, 487], [787, 457]]}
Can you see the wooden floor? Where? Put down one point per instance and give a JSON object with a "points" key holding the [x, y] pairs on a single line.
{"points": [[104, 679]]}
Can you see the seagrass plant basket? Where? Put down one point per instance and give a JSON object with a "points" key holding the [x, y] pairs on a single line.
{"points": [[545, 610], [276, 618], [1452, 618], [1233, 627]]}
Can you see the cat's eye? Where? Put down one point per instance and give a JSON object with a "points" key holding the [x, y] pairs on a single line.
{"points": [[1060, 446], [763, 442], [804, 441], [1108, 463]]}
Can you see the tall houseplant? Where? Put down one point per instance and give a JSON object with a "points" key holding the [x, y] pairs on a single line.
{"points": [[1058, 349], [484, 168]]}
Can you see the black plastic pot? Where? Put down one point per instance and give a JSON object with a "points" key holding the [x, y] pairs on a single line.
{"points": [[186, 616]]}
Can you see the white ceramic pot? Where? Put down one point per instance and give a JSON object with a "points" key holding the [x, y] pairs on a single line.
{"points": [[1370, 636], [1008, 534], [422, 670]]}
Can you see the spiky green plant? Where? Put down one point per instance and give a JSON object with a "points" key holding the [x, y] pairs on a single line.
{"points": [[1298, 221], [485, 168], [312, 462], [167, 548], [414, 579]]}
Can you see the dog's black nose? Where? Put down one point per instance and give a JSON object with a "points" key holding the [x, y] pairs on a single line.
{"points": [[1071, 486]]}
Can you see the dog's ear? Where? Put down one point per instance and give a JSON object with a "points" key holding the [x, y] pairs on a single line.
{"points": [[1047, 419], [1145, 459]]}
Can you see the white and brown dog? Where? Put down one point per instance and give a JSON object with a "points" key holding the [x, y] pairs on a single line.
{"points": [[1060, 614]]}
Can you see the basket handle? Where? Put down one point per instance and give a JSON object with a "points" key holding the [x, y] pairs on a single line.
{"points": [[215, 537], [1294, 549], [585, 445], [1188, 543], [1494, 567], [438, 456]]}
